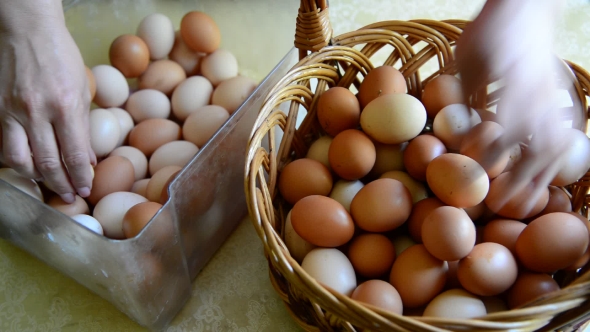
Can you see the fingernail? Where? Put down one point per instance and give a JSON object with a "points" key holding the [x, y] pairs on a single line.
{"points": [[84, 192], [68, 198]]}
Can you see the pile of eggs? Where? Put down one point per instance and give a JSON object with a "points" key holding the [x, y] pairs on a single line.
{"points": [[162, 97], [404, 218]]}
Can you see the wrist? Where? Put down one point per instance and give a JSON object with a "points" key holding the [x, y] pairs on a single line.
{"points": [[26, 16]]}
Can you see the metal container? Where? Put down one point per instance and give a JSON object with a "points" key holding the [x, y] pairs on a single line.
{"points": [[148, 277]]}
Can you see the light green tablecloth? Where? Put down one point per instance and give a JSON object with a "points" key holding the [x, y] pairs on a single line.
{"points": [[232, 293]]}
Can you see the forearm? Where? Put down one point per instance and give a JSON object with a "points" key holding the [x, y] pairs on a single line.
{"points": [[22, 16]]}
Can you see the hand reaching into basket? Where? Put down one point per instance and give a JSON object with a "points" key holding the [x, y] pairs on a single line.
{"points": [[44, 98], [511, 41]]}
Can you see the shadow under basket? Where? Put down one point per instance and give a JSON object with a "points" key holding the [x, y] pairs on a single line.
{"points": [[287, 125]]}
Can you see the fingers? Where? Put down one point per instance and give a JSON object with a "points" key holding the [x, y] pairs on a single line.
{"points": [[73, 140], [48, 161], [15, 149]]}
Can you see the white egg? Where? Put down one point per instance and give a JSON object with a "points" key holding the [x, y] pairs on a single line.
{"points": [[136, 157], [190, 95], [318, 150], [111, 209], [177, 153], [125, 123], [297, 246], [331, 268], [112, 89], [88, 222], [148, 104], [219, 66], [104, 131], [344, 191], [455, 303], [157, 31]]}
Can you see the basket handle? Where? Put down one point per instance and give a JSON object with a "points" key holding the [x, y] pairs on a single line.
{"points": [[313, 30]]}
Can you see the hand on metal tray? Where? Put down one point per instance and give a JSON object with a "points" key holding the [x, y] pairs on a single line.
{"points": [[44, 98], [512, 41]]}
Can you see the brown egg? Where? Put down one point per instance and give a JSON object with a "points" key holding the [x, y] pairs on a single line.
{"points": [[164, 196], [552, 242], [112, 174], [158, 182], [504, 232], [478, 211], [381, 205], [304, 177], [477, 142], [417, 189], [200, 32], [188, 59], [380, 81], [420, 152], [231, 93], [162, 75], [442, 91], [529, 286], [453, 123], [203, 123], [379, 294], [418, 276], [78, 207], [338, 110], [130, 55], [150, 134], [448, 233], [322, 221], [558, 201], [515, 156], [352, 154], [420, 211], [452, 279], [520, 205], [457, 180], [91, 83], [582, 261], [389, 157], [488, 270], [494, 303], [371, 255], [138, 216]]}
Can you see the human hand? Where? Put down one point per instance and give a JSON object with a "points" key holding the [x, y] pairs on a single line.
{"points": [[44, 103], [512, 41]]}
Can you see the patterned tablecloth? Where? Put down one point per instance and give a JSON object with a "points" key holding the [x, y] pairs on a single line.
{"points": [[232, 293]]}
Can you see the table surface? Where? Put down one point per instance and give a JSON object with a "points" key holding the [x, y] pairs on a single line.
{"points": [[232, 293]]}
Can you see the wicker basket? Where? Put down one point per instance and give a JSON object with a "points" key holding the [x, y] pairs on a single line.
{"points": [[340, 61]]}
